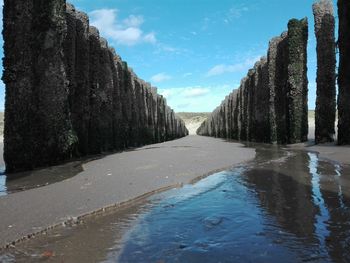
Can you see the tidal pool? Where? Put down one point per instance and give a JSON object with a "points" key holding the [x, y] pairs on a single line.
{"points": [[285, 206]]}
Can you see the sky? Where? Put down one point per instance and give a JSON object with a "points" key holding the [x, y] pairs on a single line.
{"points": [[195, 51]]}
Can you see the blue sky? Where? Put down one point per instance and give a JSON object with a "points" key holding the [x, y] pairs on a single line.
{"points": [[195, 51]]}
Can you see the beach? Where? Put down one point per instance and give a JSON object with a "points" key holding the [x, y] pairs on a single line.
{"points": [[116, 179]]}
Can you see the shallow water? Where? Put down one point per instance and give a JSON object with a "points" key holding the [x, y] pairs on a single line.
{"points": [[285, 206]]}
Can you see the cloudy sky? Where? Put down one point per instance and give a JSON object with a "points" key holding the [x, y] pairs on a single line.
{"points": [[195, 51]]}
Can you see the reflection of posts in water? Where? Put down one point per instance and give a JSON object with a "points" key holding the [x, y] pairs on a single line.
{"points": [[308, 198], [284, 190], [337, 201], [322, 214]]}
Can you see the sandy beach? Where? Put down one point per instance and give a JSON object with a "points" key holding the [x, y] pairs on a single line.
{"points": [[123, 177], [329, 151], [332, 152], [181, 133], [116, 179]]}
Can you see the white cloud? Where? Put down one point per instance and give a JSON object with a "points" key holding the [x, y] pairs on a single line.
{"points": [[167, 93], [133, 21], [160, 77], [183, 106], [187, 74], [167, 49], [128, 32], [234, 13], [237, 12], [150, 38], [195, 99], [238, 67], [205, 23], [195, 92]]}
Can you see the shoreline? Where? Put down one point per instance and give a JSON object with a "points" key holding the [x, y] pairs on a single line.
{"points": [[99, 212], [112, 208], [329, 152], [332, 152], [115, 181]]}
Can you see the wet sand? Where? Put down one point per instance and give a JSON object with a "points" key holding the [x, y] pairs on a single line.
{"points": [[332, 152], [290, 204], [328, 151], [116, 179], [122, 177]]}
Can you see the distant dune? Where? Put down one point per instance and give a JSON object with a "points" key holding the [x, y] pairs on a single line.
{"points": [[193, 120]]}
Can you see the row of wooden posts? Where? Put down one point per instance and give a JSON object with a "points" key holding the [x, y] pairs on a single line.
{"points": [[68, 94], [271, 103]]}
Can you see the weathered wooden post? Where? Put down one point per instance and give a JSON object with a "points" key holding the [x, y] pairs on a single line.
{"points": [[326, 64], [344, 72], [38, 129], [297, 80]]}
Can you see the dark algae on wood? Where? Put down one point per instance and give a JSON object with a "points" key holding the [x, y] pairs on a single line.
{"points": [[68, 94]]}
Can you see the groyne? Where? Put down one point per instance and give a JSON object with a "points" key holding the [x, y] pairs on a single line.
{"points": [[68, 93], [270, 105]]}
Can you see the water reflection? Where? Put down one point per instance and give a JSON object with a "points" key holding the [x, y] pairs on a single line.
{"points": [[323, 215], [286, 206], [285, 193], [309, 199], [335, 185], [273, 209]]}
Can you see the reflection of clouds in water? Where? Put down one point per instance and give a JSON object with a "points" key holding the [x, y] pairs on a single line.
{"points": [[141, 232], [293, 208], [178, 224], [190, 191], [283, 196], [323, 215]]}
